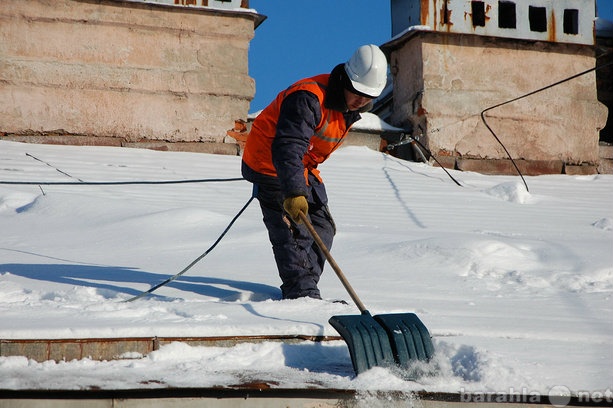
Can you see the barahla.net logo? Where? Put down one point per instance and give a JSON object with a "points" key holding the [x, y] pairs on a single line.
{"points": [[559, 396]]}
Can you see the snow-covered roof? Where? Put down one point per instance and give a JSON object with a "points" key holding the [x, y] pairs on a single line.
{"points": [[229, 6], [234, 5], [369, 122]]}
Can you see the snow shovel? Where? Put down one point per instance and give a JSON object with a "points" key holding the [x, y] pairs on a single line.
{"points": [[383, 340]]}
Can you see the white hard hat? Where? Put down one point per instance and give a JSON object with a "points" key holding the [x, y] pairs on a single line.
{"points": [[367, 70]]}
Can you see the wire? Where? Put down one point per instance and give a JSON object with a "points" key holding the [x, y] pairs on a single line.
{"points": [[410, 139], [482, 115], [525, 96], [195, 261], [117, 183], [48, 164], [108, 183], [99, 183]]}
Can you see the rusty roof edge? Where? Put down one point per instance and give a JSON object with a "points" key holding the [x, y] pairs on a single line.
{"points": [[263, 390]]}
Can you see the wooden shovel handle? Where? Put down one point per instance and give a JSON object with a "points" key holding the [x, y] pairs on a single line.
{"points": [[332, 262]]}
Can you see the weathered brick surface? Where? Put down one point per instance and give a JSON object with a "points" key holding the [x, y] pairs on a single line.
{"points": [[584, 170], [444, 81], [501, 166], [123, 69]]}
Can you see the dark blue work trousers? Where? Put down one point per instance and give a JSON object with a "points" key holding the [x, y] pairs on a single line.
{"points": [[299, 260]]}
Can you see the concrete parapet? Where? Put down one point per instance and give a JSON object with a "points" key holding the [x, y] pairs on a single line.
{"points": [[502, 166], [605, 165], [442, 83], [123, 69], [55, 138]]}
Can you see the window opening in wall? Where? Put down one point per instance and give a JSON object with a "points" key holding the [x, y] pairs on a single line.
{"points": [[538, 18], [571, 21], [446, 12], [507, 17], [478, 12]]}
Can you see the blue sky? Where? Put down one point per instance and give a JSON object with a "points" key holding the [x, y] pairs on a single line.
{"points": [[301, 39]]}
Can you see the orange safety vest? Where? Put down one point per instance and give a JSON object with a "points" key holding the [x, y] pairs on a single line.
{"points": [[328, 136]]}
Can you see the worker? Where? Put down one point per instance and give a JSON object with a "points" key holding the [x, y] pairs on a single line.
{"points": [[302, 126]]}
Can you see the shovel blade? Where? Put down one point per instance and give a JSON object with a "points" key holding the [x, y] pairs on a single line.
{"points": [[408, 336], [368, 343]]}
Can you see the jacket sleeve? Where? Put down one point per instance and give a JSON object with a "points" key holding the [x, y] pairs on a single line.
{"points": [[299, 115]]}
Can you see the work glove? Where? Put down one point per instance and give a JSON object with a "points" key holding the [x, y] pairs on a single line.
{"points": [[294, 206]]}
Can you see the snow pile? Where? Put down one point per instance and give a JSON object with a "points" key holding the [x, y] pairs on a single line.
{"points": [[372, 122], [514, 286], [514, 192]]}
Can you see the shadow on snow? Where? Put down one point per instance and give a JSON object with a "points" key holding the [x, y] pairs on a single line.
{"points": [[119, 279]]}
